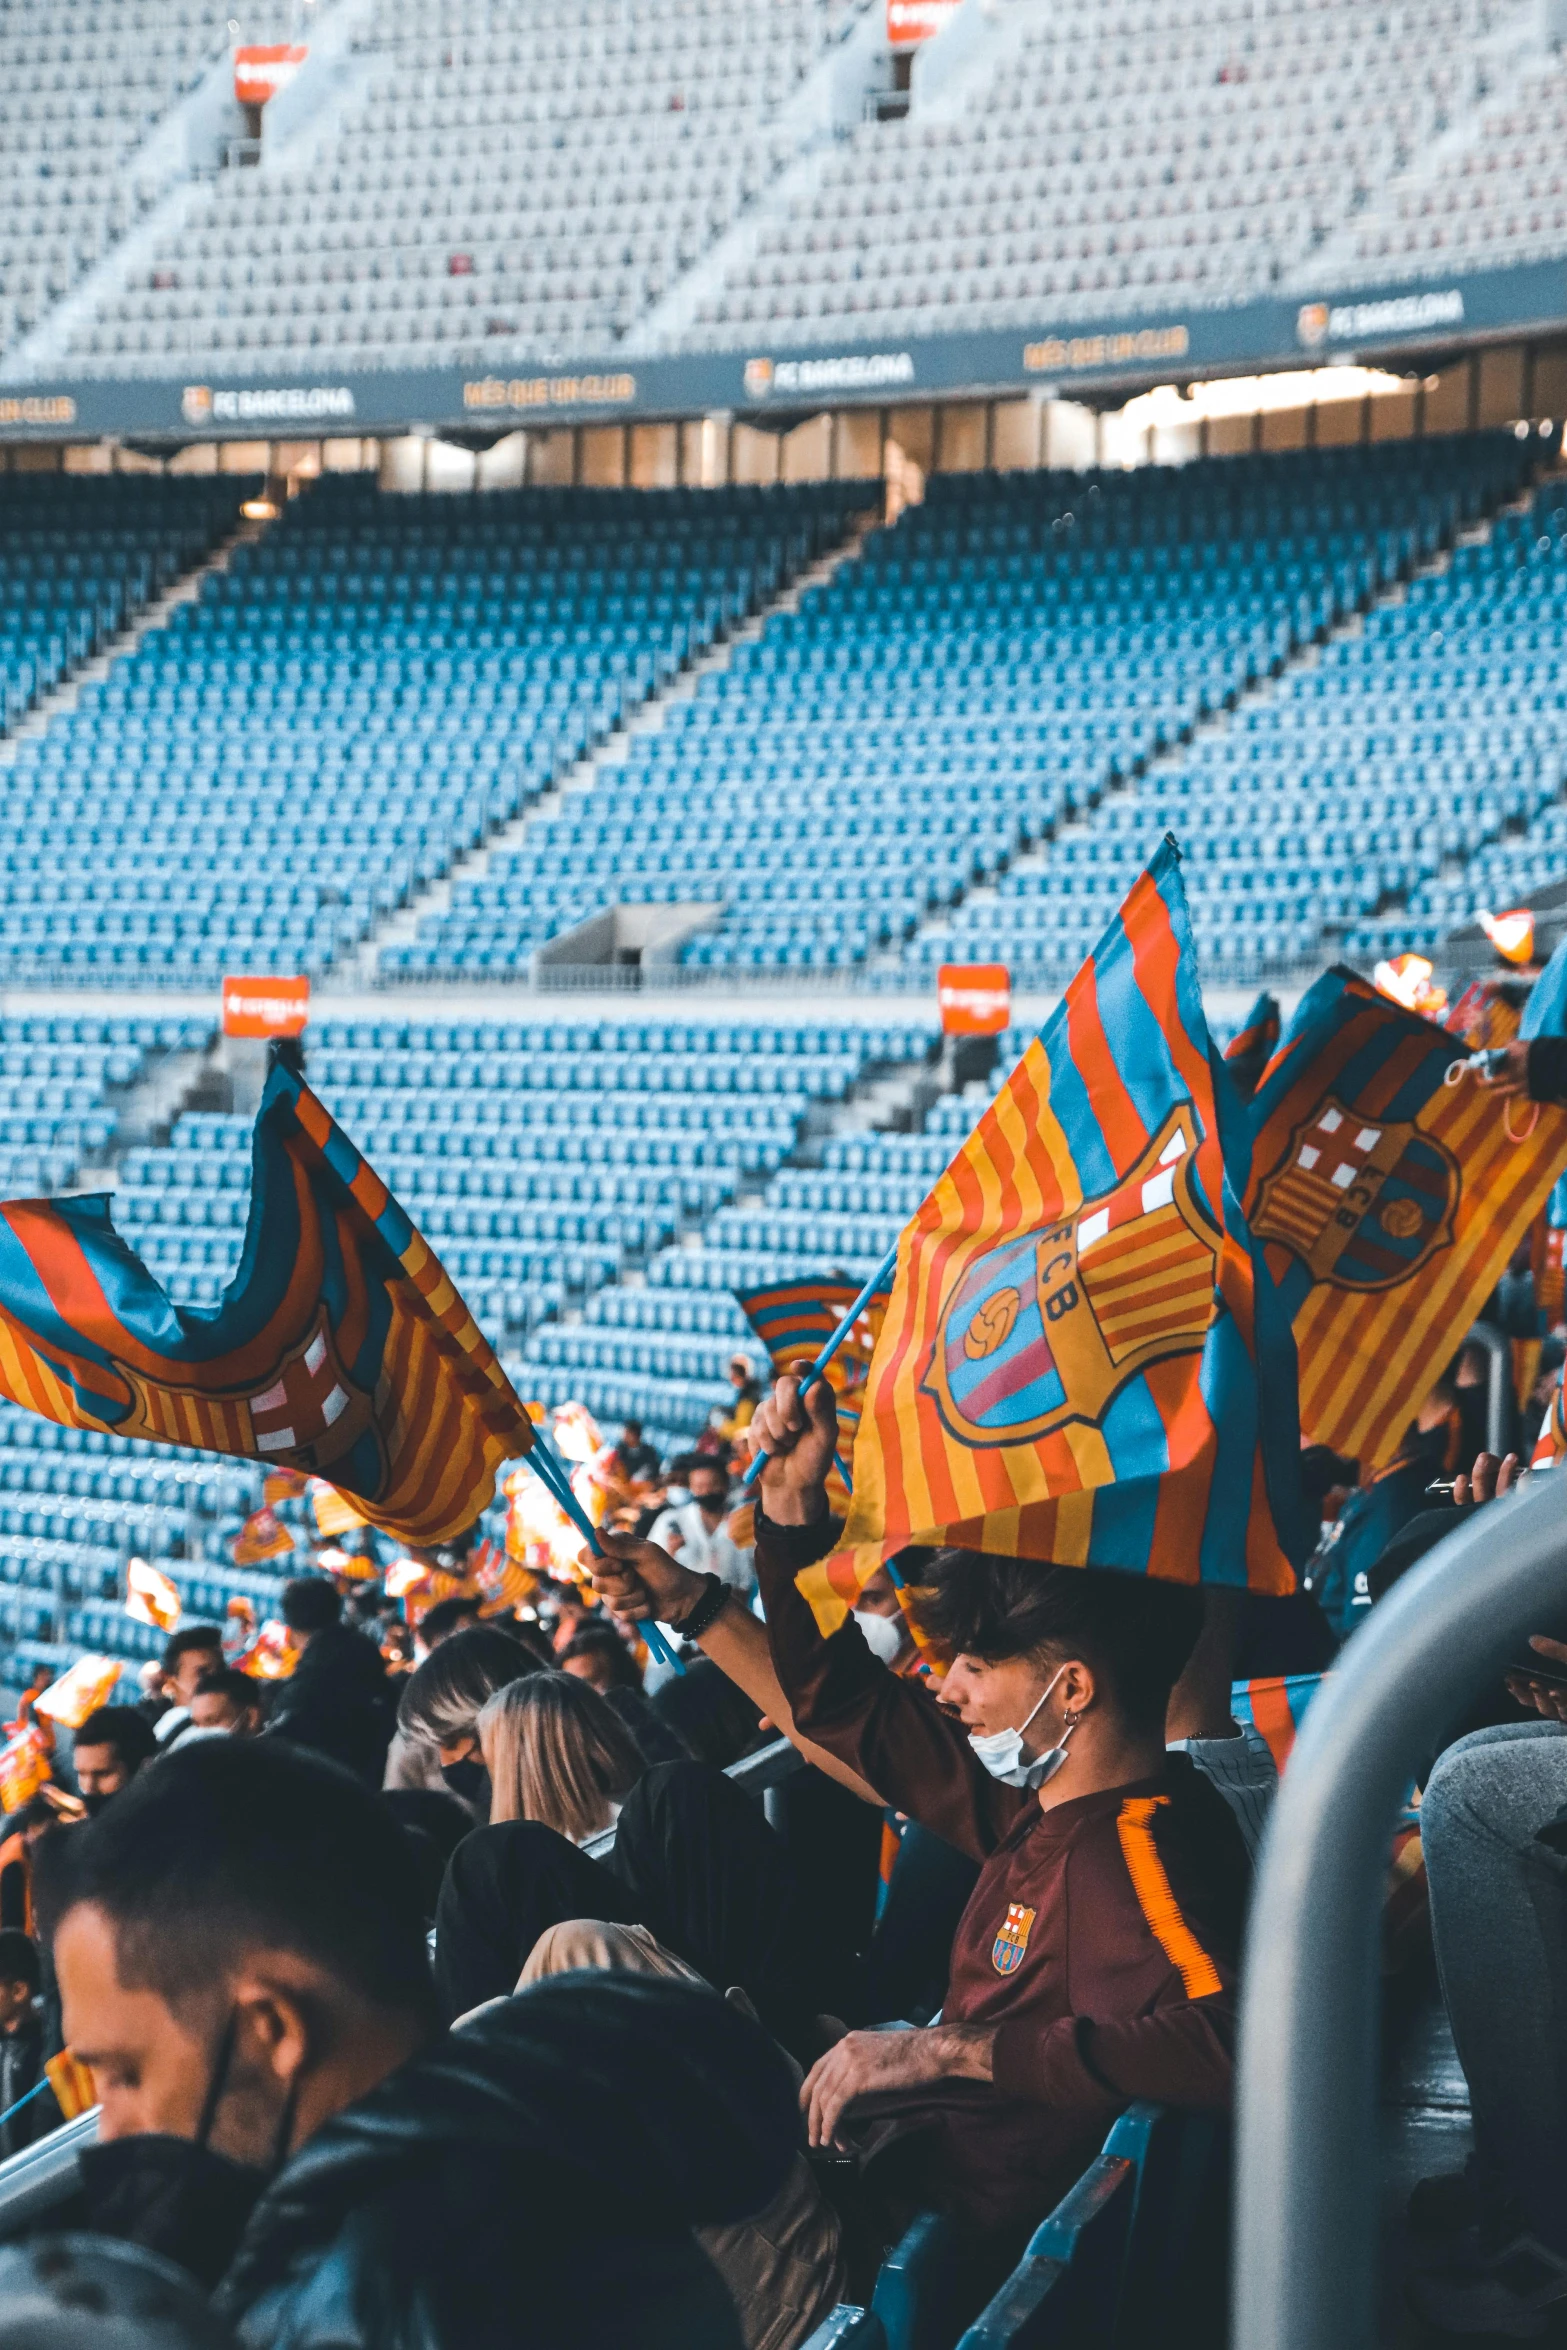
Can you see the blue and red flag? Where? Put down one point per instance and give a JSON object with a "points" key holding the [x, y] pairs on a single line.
{"points": [[1084, 1360], [1275, 1707], [1389, 1202], [794, 1321], [340, 1348], [1253, 1045]]}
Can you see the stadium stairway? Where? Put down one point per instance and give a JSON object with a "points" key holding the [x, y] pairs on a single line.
{"points": [[184, 589], [386, 951], [374, 684]]}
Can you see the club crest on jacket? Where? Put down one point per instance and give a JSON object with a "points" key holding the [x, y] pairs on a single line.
{"points": [[1006, 1952]]}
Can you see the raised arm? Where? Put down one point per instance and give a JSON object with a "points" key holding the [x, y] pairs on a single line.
{"points": [[892, 1731], [636, 1580]]}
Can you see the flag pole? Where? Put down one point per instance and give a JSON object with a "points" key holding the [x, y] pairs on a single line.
{"points": [[552, 1474], [883, 1273]]}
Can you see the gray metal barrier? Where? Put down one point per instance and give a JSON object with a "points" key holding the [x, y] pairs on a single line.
{"points": [[1307, 2135], [1499, 1385], [41, 2178]]}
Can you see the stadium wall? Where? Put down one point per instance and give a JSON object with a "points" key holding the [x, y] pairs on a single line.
{"points": [[1388, 325]]}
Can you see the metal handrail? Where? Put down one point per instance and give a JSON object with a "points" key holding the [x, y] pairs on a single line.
{"points": [[1306, 2155], [40, 2178]]}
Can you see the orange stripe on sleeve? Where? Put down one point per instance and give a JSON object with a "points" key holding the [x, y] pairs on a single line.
{"points": [[1158, 1904]]}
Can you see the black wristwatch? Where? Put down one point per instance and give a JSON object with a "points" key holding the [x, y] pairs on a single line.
{"points": [[707, 1609]]}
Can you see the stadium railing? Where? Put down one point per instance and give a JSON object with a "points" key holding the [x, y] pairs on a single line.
{"points": [[1307, 2141]]}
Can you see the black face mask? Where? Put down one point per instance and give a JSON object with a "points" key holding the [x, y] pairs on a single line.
{"points": [[175, 2196], [93, 1804], [470, 1780]]}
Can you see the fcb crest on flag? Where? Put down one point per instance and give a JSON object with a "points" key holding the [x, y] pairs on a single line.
{"points": [[341, 1348], [1389, 1187], [1048, 1330], [1084, 1360], [1363, 1205]]}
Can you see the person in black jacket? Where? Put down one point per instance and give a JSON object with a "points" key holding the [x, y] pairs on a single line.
{"points": [[242, 1961], [27, 2112], [336, 1700]]}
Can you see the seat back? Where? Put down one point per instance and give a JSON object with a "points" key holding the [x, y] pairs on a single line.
{"points": [[848, 2328], [917, 2286], [1065, 2288]]}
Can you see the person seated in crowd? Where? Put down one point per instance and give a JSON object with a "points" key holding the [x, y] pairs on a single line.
{"points": [[1095, 1962], [227, 1701], [748, 1394], [694, 1862], [556, 1752], [193, 1650], [414, 1762], [27, 2112], [111, 1746], [633, 1458], [598, 1655], [697, 1533], [438, 1623], [242, 1964], [336, 1700], [1338, 1571], [438, 1712]]}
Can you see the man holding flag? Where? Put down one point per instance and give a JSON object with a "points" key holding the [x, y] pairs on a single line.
{"points": [[1083, 1398]]}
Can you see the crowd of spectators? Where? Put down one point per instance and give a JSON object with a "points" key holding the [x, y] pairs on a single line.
{"points": [[457, 1954]]}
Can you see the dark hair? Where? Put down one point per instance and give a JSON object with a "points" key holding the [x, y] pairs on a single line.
{"points": [[235, 1845], [710, 1460], [311, 1603], [228, 1681], [122, 1727], [19, 1958], [1134, 1630], [442, 1620], [442, 1698], [599, 1640], [181, 1643]]}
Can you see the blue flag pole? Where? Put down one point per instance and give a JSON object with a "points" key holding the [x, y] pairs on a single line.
{"points": [[552, 1474], [882, 1275]]}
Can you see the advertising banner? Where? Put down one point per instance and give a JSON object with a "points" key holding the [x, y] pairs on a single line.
{"points": [[265, 1007], [1396, 326], [260, 72], [975, 998], [909, 21]]}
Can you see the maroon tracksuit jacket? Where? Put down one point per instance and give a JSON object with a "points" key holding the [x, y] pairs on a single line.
{"points": [[1101, 1938]]}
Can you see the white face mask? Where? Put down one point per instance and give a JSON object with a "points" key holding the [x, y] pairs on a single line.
{"points": [[883, 1634], [1001, 1751]]}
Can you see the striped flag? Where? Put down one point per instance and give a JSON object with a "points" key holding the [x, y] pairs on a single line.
{"points": [[262, 1536], [1253, 1045], [1389, 1203], [1083, 1361], [795, 1319], [340, 1349]]}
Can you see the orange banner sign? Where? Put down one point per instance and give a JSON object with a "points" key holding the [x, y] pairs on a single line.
{"points": [[265, 1007], [975, 998], [916, 20], [261, 71]]}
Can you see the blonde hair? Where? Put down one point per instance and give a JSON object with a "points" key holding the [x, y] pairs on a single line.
{"points": [[556, 1752]]}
